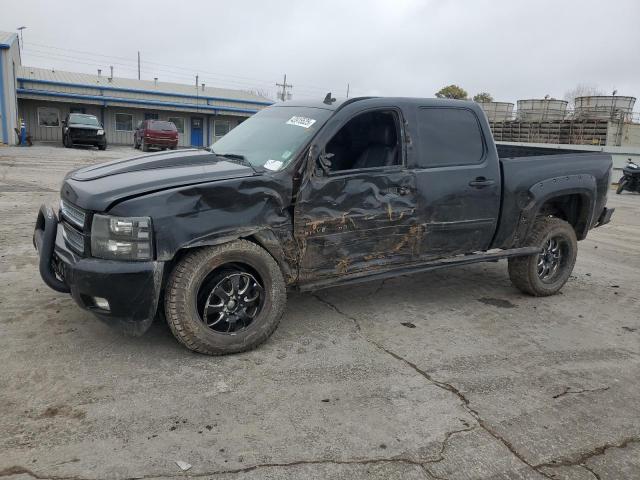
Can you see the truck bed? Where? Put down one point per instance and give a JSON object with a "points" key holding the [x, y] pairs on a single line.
{"points": [[516, 151], [527, 170]]}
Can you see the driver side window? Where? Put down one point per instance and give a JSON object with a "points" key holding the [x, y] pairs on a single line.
{"points": [[369, 140]]}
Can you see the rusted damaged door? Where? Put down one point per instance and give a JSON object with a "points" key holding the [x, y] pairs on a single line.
{"points": [[356, 220]]}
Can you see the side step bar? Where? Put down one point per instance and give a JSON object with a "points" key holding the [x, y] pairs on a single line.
{"points": [[361, 277]]}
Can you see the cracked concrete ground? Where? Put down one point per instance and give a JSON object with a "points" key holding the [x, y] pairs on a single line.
{"points": [[446, 375]]}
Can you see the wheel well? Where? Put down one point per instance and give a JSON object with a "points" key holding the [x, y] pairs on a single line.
{"points": [[269, 247], [573, 208]]}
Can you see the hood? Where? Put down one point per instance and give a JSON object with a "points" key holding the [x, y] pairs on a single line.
{"points": [[98, 187]]}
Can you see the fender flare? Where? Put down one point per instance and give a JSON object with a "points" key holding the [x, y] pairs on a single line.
{"points": [[583, 185]]}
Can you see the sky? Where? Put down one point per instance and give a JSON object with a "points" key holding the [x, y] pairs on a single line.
{"points": [[512, 49]]}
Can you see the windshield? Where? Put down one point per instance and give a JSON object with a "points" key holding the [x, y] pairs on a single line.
{"points": [[273, 136], [84, 119]]}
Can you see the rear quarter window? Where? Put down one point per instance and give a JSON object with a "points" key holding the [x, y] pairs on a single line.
{"points": [[448, 137]]}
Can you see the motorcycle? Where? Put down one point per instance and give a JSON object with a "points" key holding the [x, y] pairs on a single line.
{"points": [[630, 179]]}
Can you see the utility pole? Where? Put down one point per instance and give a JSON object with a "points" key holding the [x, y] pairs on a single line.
{"points": [[347, 90], [138, 65], [284, 85], [20, 29], [197, 98]]}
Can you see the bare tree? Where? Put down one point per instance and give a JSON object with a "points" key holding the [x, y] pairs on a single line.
{"points": [[581, 90]]}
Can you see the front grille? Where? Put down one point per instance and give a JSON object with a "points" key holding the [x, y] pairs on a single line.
{"points": [[73, 238], [82, 133], [72, 213]]}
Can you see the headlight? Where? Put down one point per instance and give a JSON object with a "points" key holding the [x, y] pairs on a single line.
{"points": [[100, 132], [121, 238]]}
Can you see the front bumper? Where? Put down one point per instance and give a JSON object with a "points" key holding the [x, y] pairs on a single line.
{"points": [[95, 140], [131, 288]]}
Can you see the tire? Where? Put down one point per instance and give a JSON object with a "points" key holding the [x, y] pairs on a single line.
{"points": [[135, 143], [621, 185], [102, 147], [173, 147], [66, 141], [525, 272], [193, 277], [143, 145]]}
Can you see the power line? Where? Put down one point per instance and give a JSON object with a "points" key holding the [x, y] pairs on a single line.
{"points": [[130, 64]]}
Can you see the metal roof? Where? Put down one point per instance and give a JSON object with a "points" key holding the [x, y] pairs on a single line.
{"points": [[168, 88], [7, 39]]}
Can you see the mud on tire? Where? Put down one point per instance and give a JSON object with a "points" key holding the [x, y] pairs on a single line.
{"points": [[196, 273], [545, 274]]}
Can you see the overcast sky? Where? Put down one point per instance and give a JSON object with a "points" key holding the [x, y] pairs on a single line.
{"points": [[512, 49]]}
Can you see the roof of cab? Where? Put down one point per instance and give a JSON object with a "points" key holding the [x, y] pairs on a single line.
{"points": [[423, 102]]}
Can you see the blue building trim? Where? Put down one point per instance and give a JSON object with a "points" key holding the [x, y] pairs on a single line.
{"points": [[3, 108], [133, 101], [107, 88]]}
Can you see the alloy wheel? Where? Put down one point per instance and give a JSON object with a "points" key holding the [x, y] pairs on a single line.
{"points": [[233, 301]]}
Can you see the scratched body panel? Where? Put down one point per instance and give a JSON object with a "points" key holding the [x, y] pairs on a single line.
{"points": [[356, 221]]}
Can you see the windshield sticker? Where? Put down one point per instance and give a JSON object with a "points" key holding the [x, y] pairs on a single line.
{"points": [[286, 155], [303, 122], [273, 165]]}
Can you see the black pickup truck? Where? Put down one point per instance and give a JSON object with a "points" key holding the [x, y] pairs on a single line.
{"points": [[312, 195]]}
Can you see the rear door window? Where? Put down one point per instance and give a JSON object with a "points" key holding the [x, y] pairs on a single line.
{"points": [[448, 136]]}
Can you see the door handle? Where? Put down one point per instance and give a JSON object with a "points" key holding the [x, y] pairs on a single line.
{"points": [[481, 182]]}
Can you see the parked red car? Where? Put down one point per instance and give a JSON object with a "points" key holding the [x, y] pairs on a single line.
{"points": [[155, 133]]}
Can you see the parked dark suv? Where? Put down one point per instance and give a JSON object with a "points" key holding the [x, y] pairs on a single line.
{"points": [[83, 129], [155, 133]]}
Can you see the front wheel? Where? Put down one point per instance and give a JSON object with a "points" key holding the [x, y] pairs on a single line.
{"points": [[621, 185], [143, 145], [546, 273], [225, 299]]}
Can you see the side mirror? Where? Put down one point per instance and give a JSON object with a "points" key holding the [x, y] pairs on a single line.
{"points": [[324, 162]]}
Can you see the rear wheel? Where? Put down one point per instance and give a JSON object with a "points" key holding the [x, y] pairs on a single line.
{"points": [[546, 273], [225, 299]]}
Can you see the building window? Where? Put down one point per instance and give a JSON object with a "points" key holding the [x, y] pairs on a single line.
{"points": [[151, 116], [48, 117], [124, 122], [178, 122], [221, 128], [77, 110]]}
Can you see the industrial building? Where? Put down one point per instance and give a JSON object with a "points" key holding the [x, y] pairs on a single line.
{"points": [[43, 97], [595, 120]]}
